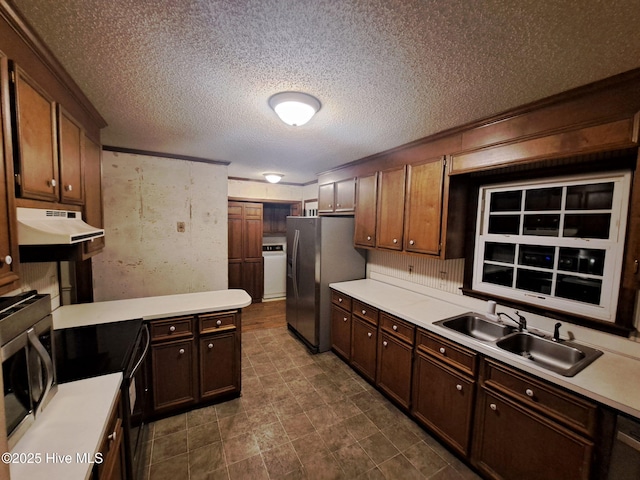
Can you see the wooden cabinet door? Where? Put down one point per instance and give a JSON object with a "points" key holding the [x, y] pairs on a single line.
{"points": [[253, 278], [245, 261], [341, 332], [423, 214], [93, 212], [363, 347], [365, 215], [218, 365], [9, 264], [443, 401], [71, 153], [512, 442], [174, 381], [326, 198], [35, 119], [345, 195], [112, 448], [394, 368], [390, 214]]}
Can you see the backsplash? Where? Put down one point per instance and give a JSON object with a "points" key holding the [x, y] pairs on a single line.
{"points": [[444, 275], [40, 276]]}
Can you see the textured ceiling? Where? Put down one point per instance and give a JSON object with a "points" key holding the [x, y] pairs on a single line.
{"points": [[192, 77]]}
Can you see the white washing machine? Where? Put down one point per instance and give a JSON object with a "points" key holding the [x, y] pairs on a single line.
{"points": [[275, 271]]}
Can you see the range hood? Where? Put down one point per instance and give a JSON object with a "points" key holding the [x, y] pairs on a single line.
{"points": [[38, 226]]}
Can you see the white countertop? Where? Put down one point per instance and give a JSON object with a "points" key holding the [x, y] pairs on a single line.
{"points": [[148, 308], [613, 379], [74, 423]]}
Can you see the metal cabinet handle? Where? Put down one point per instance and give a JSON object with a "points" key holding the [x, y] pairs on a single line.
{"points": [[337, 204], [364, 312], [411, 242], [385, 343], [51, 183], [368, 237], [369, 334], [395, 240], [529, 392], [395, 328], [172, 328], [340, 300], [112, 436], [459, 387], [330, 205], [344, 319], [7, 260], [219, 322], [210, 346], [181, 351], [442, 350], [493, 406], [68, 188]]}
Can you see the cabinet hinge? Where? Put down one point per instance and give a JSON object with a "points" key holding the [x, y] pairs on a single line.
{"points": [[13, 76], [18, 179], [444, 162]]}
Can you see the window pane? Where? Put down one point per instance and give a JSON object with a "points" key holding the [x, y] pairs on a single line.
{"points": [[500, 252], [535, 256], [582, 260], [590, 197], [541, 225], [543, 199], [586, 290], [497, 275], [504, 224], [587, 225], [534, 281], [506, 201]]}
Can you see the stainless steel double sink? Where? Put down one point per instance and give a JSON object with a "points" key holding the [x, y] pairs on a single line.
{"points": [[564, 357]]}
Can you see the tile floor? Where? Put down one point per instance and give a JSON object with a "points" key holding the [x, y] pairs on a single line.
{"points": [[299, 416]]}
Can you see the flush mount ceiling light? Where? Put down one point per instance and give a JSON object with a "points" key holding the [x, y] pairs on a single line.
{"points": [[294, 108], [273, 177]]}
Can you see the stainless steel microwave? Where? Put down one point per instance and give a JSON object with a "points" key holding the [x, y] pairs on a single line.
{"points": [[27, 355]]}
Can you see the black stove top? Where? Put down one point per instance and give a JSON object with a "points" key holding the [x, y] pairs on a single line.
{"points": [[93, 350]]}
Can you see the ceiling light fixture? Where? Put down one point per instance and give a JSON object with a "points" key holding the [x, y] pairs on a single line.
{"points": [[273, 177], [294, 108]]}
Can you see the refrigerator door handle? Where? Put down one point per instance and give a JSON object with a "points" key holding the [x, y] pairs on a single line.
{"points": [[294, 266]]}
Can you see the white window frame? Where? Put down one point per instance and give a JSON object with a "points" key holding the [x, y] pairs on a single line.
{"points": [[613, 246]]}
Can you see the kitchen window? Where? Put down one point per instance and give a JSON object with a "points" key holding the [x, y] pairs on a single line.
{"points": [[555, 243]]}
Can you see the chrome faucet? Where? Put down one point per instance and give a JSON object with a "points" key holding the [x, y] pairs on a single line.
{"points": [[521, 322]]}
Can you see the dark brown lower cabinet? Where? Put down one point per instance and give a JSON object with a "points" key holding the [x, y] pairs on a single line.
{"points": [[112, 448], [394, 368], [513, 442], [195, 360], [364, 336], [218, 366], [173, 373], [443, 401], [341, 332]]}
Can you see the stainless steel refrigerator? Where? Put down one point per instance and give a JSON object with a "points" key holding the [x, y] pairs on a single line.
{"points": [[319, 252]]}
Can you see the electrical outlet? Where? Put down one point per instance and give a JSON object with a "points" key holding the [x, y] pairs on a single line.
{"points": [[181, 227]]}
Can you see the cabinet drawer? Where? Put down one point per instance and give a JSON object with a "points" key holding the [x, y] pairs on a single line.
{"points": [[171, 328], [211, 323], [341, 300], [398, 328], [560, 405], [365, 311], [451, 353]]}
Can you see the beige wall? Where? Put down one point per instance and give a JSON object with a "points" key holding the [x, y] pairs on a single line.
{"points": [[271, 191], [144, 199]]}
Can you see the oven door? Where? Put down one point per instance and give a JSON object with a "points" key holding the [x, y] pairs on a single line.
{"points": [[18, 404], [136, 402]]}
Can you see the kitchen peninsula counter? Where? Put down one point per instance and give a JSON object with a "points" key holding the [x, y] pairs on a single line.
{"points": [[613, 379], [149, 308]]}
